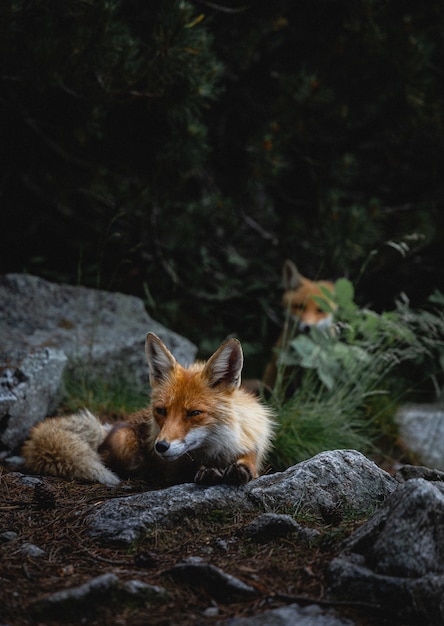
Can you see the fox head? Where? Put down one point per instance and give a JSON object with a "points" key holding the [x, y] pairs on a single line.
{"points": [[300, 297], [189, 404]]}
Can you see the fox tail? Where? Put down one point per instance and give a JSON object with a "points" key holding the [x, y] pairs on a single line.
{"points": [[67, 447]]}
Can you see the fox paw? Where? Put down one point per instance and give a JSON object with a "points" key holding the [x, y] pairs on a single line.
{"points": [[209, 476], [237, 474]]}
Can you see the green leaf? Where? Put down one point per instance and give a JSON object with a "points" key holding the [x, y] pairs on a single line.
{"points": [[437, 297], [345, 293]]}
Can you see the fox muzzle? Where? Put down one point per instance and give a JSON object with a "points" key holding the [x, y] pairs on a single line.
{"points": [[161, 446]]}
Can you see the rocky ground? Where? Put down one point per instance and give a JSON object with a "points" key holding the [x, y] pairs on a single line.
{"points": [[45, 547], [45, 542]]}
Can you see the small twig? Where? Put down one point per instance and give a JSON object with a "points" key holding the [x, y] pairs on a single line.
{"points": [[283, 597], [254, 225], [16, 504], [224, 9]]}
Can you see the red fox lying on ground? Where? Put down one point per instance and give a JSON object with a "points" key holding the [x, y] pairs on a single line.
{"points": [[201, 425], [299, 301]]}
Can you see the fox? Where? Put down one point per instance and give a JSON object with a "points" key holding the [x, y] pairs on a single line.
{"points": [[302, 309], [201, 426]]}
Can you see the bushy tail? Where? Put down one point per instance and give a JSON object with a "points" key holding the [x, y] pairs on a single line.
{"points": [[67, 447]]}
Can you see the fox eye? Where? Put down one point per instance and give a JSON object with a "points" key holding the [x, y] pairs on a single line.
{"points": [[160, 410], [193, 413], [298, 307]]}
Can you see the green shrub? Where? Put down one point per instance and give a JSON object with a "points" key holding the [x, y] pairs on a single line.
{"points": [[349, 381]]}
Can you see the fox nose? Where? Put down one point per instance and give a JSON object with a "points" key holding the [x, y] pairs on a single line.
{"points": [[161, 446]]}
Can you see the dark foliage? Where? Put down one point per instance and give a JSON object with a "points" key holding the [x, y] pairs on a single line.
{"points": [[181, 151]]}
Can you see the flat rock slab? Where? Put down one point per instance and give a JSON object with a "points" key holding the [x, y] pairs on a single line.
{"points": [[344, 476]]}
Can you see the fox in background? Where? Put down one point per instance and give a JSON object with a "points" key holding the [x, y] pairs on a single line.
{"points": [[201, 426], [299, 302]]}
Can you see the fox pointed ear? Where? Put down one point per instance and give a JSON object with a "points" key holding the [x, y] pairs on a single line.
{"points": [[160, 360], [291, 277], [225, 366]]}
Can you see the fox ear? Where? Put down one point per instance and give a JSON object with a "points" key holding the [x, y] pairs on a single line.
{"points": [[160, 360], [225, 366], [291, 277]]}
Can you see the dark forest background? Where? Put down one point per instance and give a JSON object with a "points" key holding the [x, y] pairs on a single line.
{"points": [[181, 151]]}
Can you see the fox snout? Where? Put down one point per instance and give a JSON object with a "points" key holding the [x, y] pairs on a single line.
{"points": [[304, 326], [161, 446], [178, 446], [172, 450]]}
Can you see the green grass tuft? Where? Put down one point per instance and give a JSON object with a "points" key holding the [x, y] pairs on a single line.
{"points": [[112, 395]]}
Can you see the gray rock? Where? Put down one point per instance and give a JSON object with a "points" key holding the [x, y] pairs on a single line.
{"points": [[30, 549], [14, 462], [29, 390], [99, 593], [396, 559], [344, 475], [126, 519], [211, 611], [8, 535], [30, 481], [292, 615], [407, 472], [272, 525], [417, 600], [406, 536], [45, 327], [221, 586], [88, 325], [421, 429]]}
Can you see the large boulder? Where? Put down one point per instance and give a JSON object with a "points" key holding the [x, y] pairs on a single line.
{"points": [[343, 478], [43, 324], [88, 325], [30, 389], [396, 559]]}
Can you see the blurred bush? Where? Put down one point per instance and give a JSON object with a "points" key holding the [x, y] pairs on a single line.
{"points": [[180, 151]]}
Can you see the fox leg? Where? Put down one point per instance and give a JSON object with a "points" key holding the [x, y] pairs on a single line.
{"points": [[239, 473], [121, 449], [128, 450], [209, 476]]}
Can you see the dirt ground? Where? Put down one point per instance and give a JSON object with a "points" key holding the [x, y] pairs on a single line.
{"points": [[53, 516]]}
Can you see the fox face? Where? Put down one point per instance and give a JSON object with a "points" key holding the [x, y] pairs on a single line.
{"points": [[190, 407], [201, 425], [300, 299]]}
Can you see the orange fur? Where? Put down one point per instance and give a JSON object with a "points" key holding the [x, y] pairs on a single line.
{"points": [[201, 425], [67, 447], [203, 419]]}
